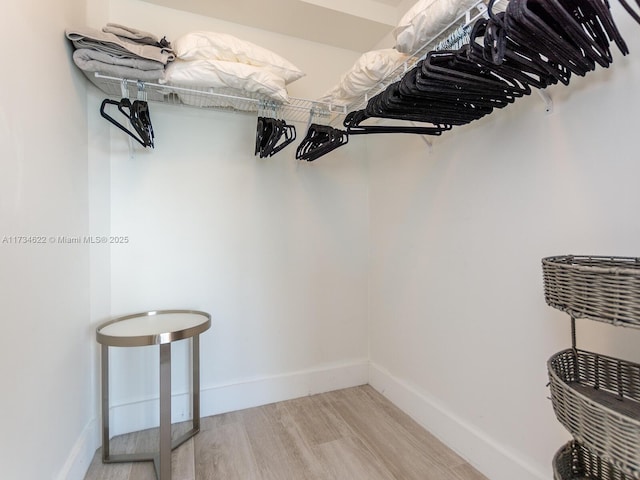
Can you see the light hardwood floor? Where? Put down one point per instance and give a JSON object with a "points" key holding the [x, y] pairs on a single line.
{"points": [[351, 434]]}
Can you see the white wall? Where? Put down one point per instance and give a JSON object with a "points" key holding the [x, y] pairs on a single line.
{"points": [[430, 267], [45, 346], [274, 249], [460, 332]]}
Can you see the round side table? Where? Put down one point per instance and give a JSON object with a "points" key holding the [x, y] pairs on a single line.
{"points": [[154, 328]]}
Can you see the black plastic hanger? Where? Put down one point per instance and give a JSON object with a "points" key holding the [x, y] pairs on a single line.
{"points": [[320, 140], [571, 33], [630, 10], [532, 24], [272, 135], [353, 123], [141, 120], [264, 130], [286, 137], [138, 115], [523, 66]]}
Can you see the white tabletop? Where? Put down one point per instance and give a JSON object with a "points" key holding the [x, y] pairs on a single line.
{"points": [[153, 328]]}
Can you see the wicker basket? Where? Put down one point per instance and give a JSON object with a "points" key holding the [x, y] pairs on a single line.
{"points": [[600, 288], [576, 462], [597, 399]]}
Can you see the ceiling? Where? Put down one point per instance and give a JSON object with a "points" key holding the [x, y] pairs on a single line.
{"points": [[351, 24]]}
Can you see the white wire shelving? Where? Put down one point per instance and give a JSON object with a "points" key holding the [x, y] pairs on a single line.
{"points": [[297, 109], [229, 100]]}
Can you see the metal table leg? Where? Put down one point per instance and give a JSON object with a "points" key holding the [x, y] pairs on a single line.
{"points": [[195, 383], [104, 354], [165, 412], [161, 460]]}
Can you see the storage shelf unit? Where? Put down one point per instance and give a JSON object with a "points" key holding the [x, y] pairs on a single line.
{"points": [[597, 398], [297, 110]]}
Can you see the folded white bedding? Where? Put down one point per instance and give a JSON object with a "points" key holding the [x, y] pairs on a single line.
{"points": [[369, 70], [426, 20], [222, 74], [201, 45]]}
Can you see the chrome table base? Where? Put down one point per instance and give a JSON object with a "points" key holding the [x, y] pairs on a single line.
{"points": [[162, 458]]}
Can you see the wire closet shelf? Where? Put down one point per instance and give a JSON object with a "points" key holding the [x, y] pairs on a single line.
{"points": [[296, 110]]}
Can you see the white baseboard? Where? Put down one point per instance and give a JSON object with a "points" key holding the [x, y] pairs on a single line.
{"points": [[484, 453], [262, 391], [247, 393], [81, 454]]}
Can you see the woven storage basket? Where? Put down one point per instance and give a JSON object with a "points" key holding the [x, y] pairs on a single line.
{"points": [[576, 462], [600, 288], [597, 399]]}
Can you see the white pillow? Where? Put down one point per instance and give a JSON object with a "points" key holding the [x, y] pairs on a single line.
{"points": [[221, 46], [425, 20], [221, 74], [369, 70]]}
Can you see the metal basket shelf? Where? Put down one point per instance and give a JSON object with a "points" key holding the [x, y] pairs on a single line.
{"points": [[575, 462], [605, 289], [597, 398], [230, 100]]}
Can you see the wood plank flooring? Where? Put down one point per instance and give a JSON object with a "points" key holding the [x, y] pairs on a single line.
{"points": [[351, 434]]}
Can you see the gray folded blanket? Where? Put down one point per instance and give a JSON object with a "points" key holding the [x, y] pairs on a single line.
{"points": [[133, 34], [141, 69], [86, 37]]}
